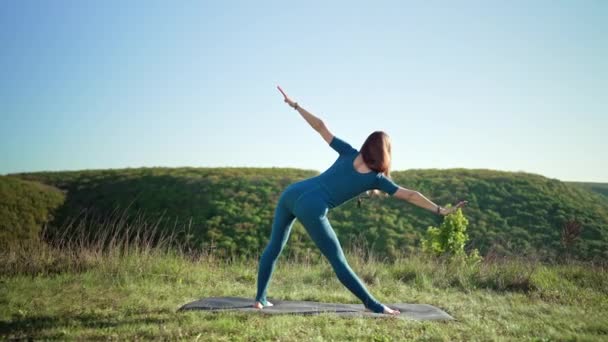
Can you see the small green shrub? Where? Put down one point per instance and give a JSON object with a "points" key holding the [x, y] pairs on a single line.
{"points": [[449, 238]]}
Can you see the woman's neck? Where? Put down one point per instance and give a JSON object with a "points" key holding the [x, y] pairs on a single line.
{"points": [[360, 165]]}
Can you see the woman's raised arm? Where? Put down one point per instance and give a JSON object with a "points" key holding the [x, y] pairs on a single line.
{"points": [[418, 199], [316, 123]]}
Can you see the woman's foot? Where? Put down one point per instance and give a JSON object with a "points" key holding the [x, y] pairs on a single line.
{"points": [[390, 311], [387, 310], [259, 305]]}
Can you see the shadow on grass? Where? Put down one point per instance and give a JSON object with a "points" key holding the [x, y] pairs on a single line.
{"points": [[38, 325]]}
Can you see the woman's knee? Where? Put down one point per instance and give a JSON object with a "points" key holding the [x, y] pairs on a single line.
{"points": [[274, 249], [330, 248], [336, 258]]}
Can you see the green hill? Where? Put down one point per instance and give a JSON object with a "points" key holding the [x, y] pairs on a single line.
{"points": [[600, 188], [24, 208], [231, 209]]}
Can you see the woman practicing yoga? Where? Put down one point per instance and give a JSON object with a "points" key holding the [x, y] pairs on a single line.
{"points": [[309, 200]]}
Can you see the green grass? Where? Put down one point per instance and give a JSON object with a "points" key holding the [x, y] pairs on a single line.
{"points": [[134, 294]]}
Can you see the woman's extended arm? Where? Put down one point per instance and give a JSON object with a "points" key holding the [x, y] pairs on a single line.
{"points": [[418, 199], [316, 123]]}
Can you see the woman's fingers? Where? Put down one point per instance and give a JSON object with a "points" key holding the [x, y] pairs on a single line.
{"points": [[454, 208], [282, 92], [461, 204], [287, 99]]}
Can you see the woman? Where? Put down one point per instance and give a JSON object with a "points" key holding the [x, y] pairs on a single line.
{"points": [[309, 201]]}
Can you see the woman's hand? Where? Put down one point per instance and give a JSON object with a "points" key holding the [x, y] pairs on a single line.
{"points": [[316, 123], [289, 101], [447, 211]]}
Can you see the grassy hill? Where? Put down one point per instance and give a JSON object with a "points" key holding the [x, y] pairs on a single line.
{"points": [[230, 209], [25, 207], [599, 188], [130, 288]]}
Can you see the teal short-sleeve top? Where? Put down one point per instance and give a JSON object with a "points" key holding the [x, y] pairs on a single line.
{"points": [[343, 182]]}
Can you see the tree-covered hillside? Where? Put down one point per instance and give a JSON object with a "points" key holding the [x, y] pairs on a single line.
{"points": [[600, 188], [231, 209], [24, 208]]}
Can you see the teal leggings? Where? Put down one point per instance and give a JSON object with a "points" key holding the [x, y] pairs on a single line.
{"points": [[307, 201]]}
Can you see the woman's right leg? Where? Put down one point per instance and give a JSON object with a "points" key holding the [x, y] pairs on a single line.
{"points": [[321, 232], [281, 227]]}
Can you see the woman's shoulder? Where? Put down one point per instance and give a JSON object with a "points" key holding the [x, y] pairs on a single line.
{"points": [[381, 177]]}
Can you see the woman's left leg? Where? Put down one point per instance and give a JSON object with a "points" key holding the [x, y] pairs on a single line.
{"points": [[281, 227]]}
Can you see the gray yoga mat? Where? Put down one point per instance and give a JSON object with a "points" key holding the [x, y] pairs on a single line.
{"points": [[420, 312]]}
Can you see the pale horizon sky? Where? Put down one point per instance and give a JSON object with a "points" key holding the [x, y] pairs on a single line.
{"points": [[511, 86]]}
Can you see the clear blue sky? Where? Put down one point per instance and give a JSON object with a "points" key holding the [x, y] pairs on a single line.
{"points": [[506, 85]]}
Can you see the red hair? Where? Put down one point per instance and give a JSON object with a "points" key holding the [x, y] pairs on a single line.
{"points": [[376, 154]]}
